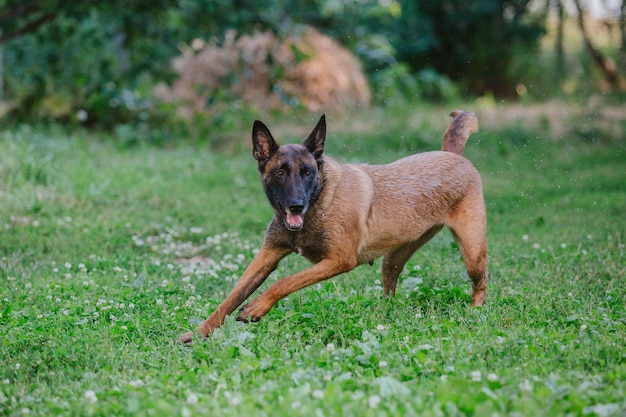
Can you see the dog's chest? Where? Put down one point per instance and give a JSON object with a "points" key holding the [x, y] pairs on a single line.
{"points": [[310, 244]]}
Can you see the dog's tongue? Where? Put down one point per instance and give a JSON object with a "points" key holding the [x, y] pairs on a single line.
{"points": [[294, 220]]}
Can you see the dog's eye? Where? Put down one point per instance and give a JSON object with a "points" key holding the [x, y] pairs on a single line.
{"points": [[308, 173], [279, 173]]}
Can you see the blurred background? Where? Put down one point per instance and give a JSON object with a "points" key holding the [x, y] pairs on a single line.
{"points": [[188, 67]]}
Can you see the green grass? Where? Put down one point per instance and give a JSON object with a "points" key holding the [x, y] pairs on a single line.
{"points": [[94, 286]]}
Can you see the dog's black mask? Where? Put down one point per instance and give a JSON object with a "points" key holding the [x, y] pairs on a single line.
{"points": [[291, 174]]}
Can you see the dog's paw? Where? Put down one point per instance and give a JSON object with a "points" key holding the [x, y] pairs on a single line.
{"points": [[252, 312], [186, 339]]}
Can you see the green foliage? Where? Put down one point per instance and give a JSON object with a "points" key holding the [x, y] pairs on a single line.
{"points": [[96, 281], [87, 59], [101, 61]]}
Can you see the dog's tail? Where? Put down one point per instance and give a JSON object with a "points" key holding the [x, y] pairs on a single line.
{"points": [[462, 126]]}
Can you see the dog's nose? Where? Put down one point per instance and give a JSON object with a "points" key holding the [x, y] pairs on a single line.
{"points": [[296, 208]]}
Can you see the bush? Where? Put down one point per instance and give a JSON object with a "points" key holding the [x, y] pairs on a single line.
{"points": [[262, 70]]}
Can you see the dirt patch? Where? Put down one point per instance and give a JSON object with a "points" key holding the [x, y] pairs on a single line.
{"points": [[560, 119]]}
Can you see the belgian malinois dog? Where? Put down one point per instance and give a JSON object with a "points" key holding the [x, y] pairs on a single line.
{"points": [[340, 216]]}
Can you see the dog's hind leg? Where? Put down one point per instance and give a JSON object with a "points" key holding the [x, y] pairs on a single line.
{"points": [[468, 224], [394, 261]]}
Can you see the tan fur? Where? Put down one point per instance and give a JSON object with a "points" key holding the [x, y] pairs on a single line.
{"points": [[465, 123], [368, 211]]}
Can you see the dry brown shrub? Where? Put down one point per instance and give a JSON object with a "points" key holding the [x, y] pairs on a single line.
{"points": [[266, 72]]}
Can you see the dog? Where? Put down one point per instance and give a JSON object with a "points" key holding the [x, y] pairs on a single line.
{"points": [[340, 216]]}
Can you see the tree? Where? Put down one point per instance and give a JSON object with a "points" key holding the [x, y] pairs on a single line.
{"points": [[79, 54], [604, 63], [473, 42]]}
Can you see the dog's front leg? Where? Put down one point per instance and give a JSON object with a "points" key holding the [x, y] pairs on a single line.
{"points": [[261, 266], [327, 268]]}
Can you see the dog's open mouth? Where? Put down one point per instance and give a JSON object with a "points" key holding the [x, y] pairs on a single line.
{"points": [[294, 221]]}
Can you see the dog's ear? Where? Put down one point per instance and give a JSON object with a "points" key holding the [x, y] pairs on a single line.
{"points": [[315, 142], [263, 144]]}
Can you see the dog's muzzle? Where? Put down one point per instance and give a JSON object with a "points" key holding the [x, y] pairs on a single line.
{"points": [[294, 217]]}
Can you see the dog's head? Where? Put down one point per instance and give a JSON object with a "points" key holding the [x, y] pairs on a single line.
{"points": [[291, 174]]}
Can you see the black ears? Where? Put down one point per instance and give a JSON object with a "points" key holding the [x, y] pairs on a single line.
{"points": [[263, 144], [315, 142]]}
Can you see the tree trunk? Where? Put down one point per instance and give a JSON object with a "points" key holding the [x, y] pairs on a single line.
{"points": [[606, 65], [622, 29], [558, 46]]}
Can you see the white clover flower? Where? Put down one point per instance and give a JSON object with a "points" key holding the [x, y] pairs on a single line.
{"points": [[330, 347], [500, 340], [373, 401], [476, 376], [192, 399], [525, 385], [159, 302], [91, 397], [382, 364], [380, 327], [136, 383], [525, 238], [68, 265], [492, 377], [318, 394]]}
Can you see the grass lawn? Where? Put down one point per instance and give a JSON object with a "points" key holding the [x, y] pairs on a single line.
{"points": [[109, 252]]}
